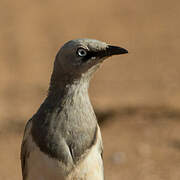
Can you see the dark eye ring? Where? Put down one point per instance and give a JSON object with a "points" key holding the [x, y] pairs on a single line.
{"points": [[81, 52]]}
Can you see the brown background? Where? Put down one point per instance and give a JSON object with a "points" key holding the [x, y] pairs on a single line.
{"points": [[136, 96]]}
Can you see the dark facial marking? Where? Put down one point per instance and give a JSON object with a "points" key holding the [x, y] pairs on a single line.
{"points": [[96, 54]]}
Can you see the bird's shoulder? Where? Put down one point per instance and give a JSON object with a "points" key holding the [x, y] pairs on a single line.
{"points": [[25, 150]]}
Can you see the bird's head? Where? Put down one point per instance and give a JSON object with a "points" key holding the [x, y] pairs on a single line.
{"points": [[83, 56]]}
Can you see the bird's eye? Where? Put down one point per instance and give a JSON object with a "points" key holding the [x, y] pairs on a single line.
{"points": [[81, 52]]}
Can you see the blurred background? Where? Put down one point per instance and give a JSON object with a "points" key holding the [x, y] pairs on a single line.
{"points": [[136, 96]]}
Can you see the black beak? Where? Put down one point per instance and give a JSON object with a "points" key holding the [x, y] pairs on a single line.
{"points": [[109, 51], [115, 50]]}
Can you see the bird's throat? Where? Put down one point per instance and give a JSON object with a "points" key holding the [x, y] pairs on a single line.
{"points": [[66, 116]]}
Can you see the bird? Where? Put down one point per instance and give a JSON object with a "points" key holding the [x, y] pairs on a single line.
{"points": [[62, 140]]}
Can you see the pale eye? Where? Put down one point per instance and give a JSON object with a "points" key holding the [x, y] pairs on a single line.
{"points": [[81, 52]]}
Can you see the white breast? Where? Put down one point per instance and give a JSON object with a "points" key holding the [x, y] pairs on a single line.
{"points": [[42, 167]]}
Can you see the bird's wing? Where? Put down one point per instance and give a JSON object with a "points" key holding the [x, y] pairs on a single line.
{"points": [[25, 149]]}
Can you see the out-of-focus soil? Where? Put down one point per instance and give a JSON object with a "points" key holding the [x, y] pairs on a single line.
{"points": [[136, 96]]}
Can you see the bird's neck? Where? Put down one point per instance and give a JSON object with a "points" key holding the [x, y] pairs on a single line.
{"points": [[66, 113], [66, 83], [68, 91]]}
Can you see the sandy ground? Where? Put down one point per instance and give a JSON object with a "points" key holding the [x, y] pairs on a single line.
{"points": [[136, 96]]}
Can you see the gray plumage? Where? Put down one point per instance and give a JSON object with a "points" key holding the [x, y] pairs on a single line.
{"points": [[62, 141]]}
